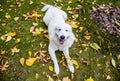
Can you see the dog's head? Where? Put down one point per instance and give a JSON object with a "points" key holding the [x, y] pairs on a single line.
{"points": [[63, 32]]}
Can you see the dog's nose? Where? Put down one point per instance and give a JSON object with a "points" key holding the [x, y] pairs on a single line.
{"points": [[62, 37]]}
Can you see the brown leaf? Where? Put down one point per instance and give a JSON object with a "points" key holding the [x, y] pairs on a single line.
{"points": [[32, 29], [3, 66]]}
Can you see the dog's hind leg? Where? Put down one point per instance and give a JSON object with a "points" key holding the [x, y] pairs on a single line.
{"points": [[68, 59], [53, 57]]}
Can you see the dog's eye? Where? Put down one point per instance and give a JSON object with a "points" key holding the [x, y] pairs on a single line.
{"points": [[59, 29], [66, 30]]}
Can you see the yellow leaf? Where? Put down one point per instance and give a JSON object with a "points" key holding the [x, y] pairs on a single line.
{"points": [[73, 24], [1, 9], [76, 40], [22, 60], [7, 16], [89, 79], [87, 37], [75, 63], [35, 14], [75, 16], [30, 53], [69, 8], [36, 75], [84, 19], [81, 29], [30, 61], [46, 36], [12, 34], [17, 40], [50, 68], [37, 31]]}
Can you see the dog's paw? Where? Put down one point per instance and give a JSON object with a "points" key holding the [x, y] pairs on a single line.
{"points": [[71, 68], [56, 69]]}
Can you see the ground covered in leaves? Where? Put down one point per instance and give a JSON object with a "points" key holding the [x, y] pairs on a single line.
{"points": [[24, 43]]}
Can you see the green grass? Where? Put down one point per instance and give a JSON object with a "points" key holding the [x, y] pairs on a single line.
{"points": [[17, 72]]}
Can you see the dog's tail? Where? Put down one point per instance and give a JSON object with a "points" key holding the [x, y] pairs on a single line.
{"points": [[46, 7]]}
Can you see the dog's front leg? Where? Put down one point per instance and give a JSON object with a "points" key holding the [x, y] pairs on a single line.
{"points": [[53, 57], [68, 59]]}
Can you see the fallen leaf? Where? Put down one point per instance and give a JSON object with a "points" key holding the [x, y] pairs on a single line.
{"points": [[69, 8], [50, 78], [66, 79], [84, 19], [16, 18], [118, 56], [35, 24], [15, 50], [50, 68], [46, 35], [84, 45], [37, 31], [74, 25], [12, 34], [93, 8], [31, 2], [81, 29], [3, 52], [7, 16], [8, 38], [4, 22], [75, 16], [76, 40], [30, 61], [30, 53], [113, 62], [118, 23], [108, 77], [1, 9], [87, 37], [75, 63], [89, 79], [32, 29], [36, 75], [22, 60], [3, 65], [95, 46], [17, 40]]}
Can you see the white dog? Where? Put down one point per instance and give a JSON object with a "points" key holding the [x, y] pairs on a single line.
{"points": [[60, 34]]}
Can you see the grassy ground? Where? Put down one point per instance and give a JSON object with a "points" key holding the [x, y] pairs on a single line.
{"points": [[92, 63]]}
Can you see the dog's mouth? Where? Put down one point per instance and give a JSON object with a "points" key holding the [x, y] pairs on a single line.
{"points": [[61, 41]]}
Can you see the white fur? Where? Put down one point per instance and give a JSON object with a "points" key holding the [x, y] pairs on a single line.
{"points": [[55, 20]]}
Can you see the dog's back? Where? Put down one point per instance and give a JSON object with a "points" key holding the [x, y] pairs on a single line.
{"points": [[52, 12]]}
